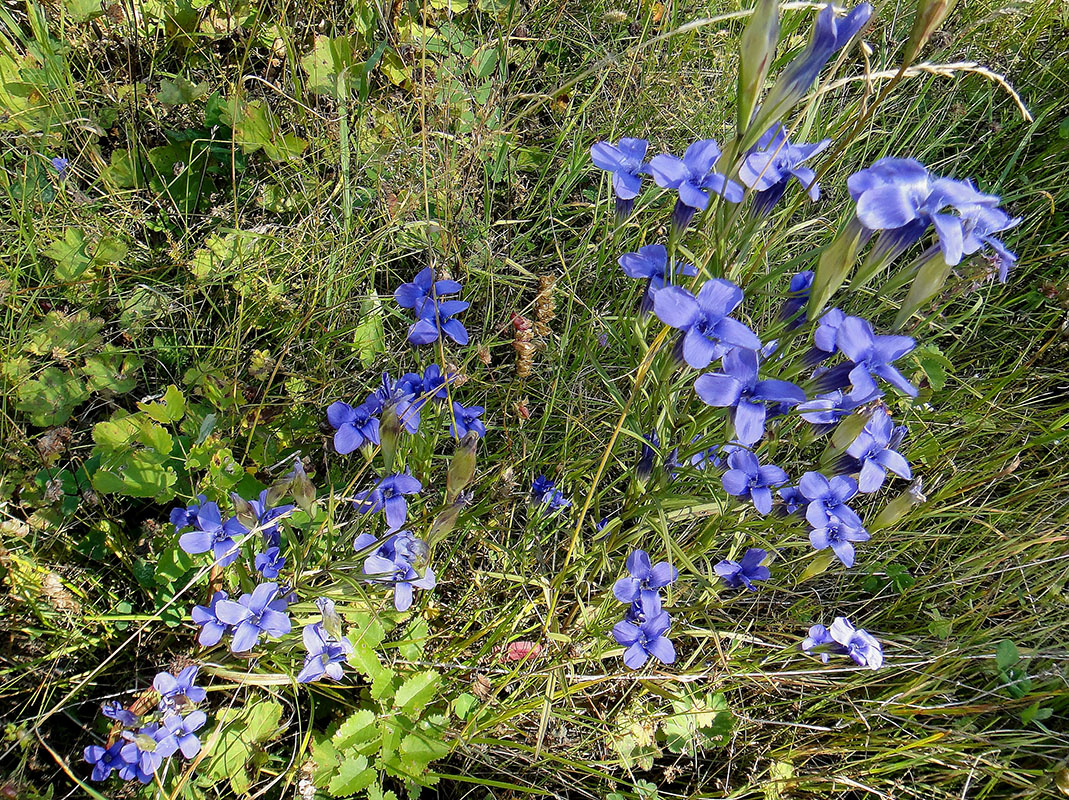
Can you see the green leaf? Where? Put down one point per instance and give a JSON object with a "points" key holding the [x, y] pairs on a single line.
{"points": [[1035, 714], [818, 564], [171, 565], [418, 750], [374, 792], [416, 692], [1006, 654], [326, 61], [60, 335], [108, 372], [170, 408], [357, 729], [124, 171], [70, 255], [464, 705], [368, 337], [933, 364], [382, 687], [52, 398], [84, 10], [140, 475], [241, 728], [255, 128], [395, 70], [485, 62], [353, 775], [181, 174], [180, 91], [698, 722]]}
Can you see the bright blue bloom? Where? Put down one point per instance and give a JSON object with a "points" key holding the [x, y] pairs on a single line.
{"points": [[712, 456], [435, 383], [213, 534], [105, 760], [626, 163], [187, 517], [708, 331], [540, 488], [145, 751], [646, 606], [404, 396], [545, 493], [325, 654], [436, 320], [645, 640], [556, 501], [745, 571], [116, 711], [212, 628], [871, 355], [253, 615], [793, 309], [177, 691], [793, 499], [981, 223], [466, 419], [837, 534], [746, 478], [266, 515], [270, 563], [389, 495], [423, 291], [393, 562], [902, 198], [827, 499], [695, 178], [181, 729], [354, 426], [825, 410], [644, 580], [874, 452], [60, 164], [824, 336], [845, 639], [651, 263], [738, 388], [773, 162]]}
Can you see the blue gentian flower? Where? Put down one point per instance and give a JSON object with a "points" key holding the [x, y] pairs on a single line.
{"points": [[793, 499], [540, 487], [389, 495], [326, 654], [177, 691], [145, 751], [213, 534], [253, 615], [646, 606], [826, 410], [182, 730], [651, 263], [874, 450], [644, 467], [270, 563], [60, 164], [819, 642], [404, 397], [392, 563], [772, 164], [708, 331], [466, 419], [713, 456], [212, 628], [827, 499], [186, 517], [626, 163], [545, 494], [423, 291], [354, 426], [793, 309], [871, 355], [900, 197], [824, 337], [981, 223], [265, 516], [435, 384], [118, 712], [644, 579], [837, 534], [105, 760], [859, 644], [746, 478], [645, 640], [436, 320], [738, 388], [745, 571], [696, 179]]}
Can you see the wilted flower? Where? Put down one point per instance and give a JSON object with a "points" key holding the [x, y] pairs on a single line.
{"points": [[981, 223], [389, 495], [745, 571], [708, 331], [773, 162], [746, 478], [644, 467], [645, 640], [695, 178]]}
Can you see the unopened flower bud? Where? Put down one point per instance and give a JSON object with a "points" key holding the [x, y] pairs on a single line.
{"points": [[462, 466], [331, 619], [757, 49], [849, 429], [301, 488], [930, 15], [447, 519], [389, 432], [898, 507], [243, 510]]}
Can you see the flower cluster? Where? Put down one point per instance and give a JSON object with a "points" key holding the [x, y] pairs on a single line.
{"points": [[400, 560], [843, 638], [223, 538], [546, 495], [644, 628], [139, 744]]}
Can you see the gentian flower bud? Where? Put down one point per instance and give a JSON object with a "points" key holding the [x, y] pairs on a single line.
{"points": [[930, 15], [243, 510], [756, 51], [389, 431], [898, 507], [461, 466]]}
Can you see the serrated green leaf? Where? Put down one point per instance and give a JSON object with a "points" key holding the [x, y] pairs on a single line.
{"points": [[169, 409], [382, 687], [374, 792], [418, 750], [416, 692], [60, 335], [51, 398], [109, 372], [70, 255], [353, 775], [357, 729], [180, 91], [155, 438]]}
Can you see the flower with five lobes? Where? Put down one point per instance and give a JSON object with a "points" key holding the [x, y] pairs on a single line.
{"points": [[708, 331], [437, 320], [695, 178], [181, 729], [464, 419], [840, 536], [871, 355], [252, 615], [845, 639], [355, 426], [738, 388], [772, 164], [423, 291], [326, 654], [745, 571], [651, 263], [389, 495], [827, 499], [644, 579], [625, 161], [178, 690], [747, 478], [875, 450], [646, 639], [213, 534]]}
